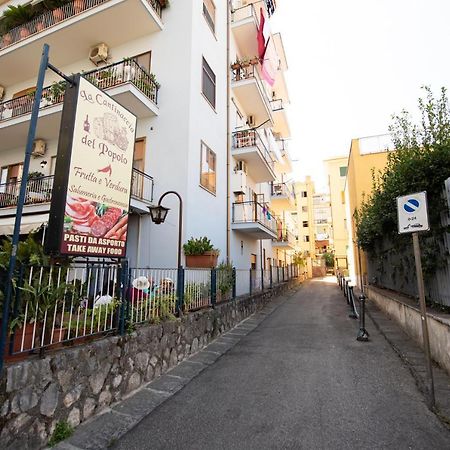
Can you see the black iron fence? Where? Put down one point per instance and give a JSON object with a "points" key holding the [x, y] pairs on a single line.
{"points": [[347, 289], [71, 303]]}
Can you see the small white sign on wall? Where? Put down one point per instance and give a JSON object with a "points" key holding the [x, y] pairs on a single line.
{"points": [[412, 211]]}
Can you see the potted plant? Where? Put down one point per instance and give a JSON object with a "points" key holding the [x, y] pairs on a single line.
{"points": [[56, 7], [6, 39], [200, 253], [164, 3], [245, 62], [236, 65], [16, 16], [54, 93], [78, 6]]}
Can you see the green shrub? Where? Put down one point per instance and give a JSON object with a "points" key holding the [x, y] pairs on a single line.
{"points": [[62, 431]]}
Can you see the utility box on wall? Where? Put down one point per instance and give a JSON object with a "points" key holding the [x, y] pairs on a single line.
{"points": [[239, 182]]}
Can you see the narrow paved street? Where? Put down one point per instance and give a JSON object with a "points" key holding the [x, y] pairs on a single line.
{"points": [[300, 380]]}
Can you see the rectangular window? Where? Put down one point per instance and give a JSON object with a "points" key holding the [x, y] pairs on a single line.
{"points": [[306, 238], [305, 224], [208, 168], [304, 194], [343, 171], [209, 11], [304, 209], [209, 84]]}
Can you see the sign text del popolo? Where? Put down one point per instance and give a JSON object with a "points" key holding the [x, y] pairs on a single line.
{"points": [[93, 175]]}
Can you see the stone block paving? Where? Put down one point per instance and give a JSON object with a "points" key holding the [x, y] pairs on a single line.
{"points": [[104, 430], [414, 358]]}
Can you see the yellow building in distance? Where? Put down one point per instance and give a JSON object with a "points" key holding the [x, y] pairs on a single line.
{"points": [[368, 155], [304, 191], [336, 169]]}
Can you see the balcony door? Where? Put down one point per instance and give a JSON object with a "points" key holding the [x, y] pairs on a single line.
{"points": [[137, 188]]}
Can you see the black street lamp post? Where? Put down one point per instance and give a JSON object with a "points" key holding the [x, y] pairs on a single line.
{"points": [[159, 213]]}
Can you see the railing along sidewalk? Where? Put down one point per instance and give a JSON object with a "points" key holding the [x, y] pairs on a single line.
{"points": [[71, 302]]}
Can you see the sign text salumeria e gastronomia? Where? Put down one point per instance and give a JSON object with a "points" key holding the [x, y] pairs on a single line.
{"points": [[99, 177]]}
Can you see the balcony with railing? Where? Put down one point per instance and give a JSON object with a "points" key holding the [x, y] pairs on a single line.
{"points": [[248, 146], [285, 239], [280, 119], [71, 29], [282, 196], [39, 190], [250, 91], [141, 191], [125, 81], [255, 219], [244, 24]]}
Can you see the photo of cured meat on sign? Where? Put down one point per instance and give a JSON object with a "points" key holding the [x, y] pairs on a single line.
{"points": [[83, 216]]}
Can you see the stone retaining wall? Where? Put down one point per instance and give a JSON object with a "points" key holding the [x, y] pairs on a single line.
{"points": [[409, 318], [77, 382]]}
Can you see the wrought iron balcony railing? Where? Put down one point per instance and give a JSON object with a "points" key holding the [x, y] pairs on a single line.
{"points": [[50, 18], [254, 212], [126, 71], [282, 190], [142, 186], [251, 138], [39, 190]]}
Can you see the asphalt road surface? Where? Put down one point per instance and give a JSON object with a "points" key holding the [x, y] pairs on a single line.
{"points": [[298, 381]]}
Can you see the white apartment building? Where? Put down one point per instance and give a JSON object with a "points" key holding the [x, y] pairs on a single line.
{"points": [[213, 134], [263, 232]]}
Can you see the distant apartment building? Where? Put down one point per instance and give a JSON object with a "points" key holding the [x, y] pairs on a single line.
{"points": [[211, 119], [305, 216], [336, 169], [322, 223], [367, 155]]}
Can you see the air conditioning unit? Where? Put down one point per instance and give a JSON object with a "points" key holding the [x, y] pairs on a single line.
{"points": [[239, 182], [251, 121], [241, 166], [99, 53], [2, 92], [39, 147]]}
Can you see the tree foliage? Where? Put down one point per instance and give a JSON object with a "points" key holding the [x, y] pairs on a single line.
{"points": [[420, 162]]}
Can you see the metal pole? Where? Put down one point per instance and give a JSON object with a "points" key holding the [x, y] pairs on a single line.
{"points": [[423, 311], [180, 221], [363, 335], [360, 269], [21, 200], [213, 287]]}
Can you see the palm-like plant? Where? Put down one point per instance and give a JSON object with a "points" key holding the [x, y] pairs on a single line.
{"points": [[15, 16]]}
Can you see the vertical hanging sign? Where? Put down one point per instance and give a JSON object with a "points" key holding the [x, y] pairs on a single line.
{"points": [[93, 175]]}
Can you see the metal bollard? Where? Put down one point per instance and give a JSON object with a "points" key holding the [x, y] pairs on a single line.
{"points": [[363, 335], [353, 314]]}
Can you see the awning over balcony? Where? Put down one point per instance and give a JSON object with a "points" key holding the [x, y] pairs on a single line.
{"points": [[29, 223]]}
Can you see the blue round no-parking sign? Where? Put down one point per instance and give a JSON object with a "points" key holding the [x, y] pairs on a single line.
{"points": [[411, 205]]}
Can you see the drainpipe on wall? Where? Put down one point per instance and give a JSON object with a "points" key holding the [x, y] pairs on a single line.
{"points": [[228, 225]]}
